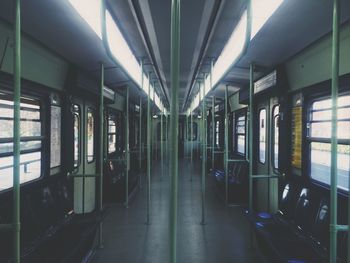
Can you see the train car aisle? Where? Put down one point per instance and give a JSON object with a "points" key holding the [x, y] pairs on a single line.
{"points": [[224, 238]]}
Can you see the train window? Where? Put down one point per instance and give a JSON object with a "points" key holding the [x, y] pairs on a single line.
{"points": [[90, 135], [194, 131], [319, 135], [112, 134], [31, 140], [55, 142], [76, 110], [217, 133], [262, 135], [276, 111], [240, 134]]}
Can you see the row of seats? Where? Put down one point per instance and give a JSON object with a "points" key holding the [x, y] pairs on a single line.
{"points": [[237, 182], [299, 230], [50, 231]]}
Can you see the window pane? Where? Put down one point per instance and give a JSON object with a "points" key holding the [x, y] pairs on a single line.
{"points": [[30, 169], [90, 136], [321, 162], [76, 138], [262, 136], [241, 144], [343, 113], [30, 145], [28, 128], [112, 143], [324, 129], [217, 127], [55, 142], [111, 126]]}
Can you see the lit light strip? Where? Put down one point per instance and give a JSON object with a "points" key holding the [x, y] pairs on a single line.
{"points": [[261, 12], [91, 13]]}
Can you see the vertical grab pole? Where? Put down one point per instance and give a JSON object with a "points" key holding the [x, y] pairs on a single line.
{"points": [[148, 152], [226, 145], [334, 140], [127, 150], [250, 142], [191, 146], [140, 139], [161, 142], [213, 133], [212, 117], [204, 149], [16, 132], [174, 119], [140, 126], [100, 240]]}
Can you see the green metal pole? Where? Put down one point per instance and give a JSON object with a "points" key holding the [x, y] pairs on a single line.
{"points": [[213, 133], [16, 133], [166, 138], [100, 240], [153, 132], [204, 149], [250, 119], [161, 143], [174, 119], [127, 149], [186, 136], [334, 140], [148, 152], [191, 146], [140, 126], [140, 139], [226, 145]]}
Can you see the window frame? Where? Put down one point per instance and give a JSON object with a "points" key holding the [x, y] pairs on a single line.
{"points": [[26, 98], [309, 139], [265, 128]]}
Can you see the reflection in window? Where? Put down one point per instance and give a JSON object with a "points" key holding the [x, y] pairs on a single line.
{"points": [[240, 134], [90, 135], [76, 135], [319, 135], [276, 119], [31, 140], [262, 135], [112, 134]]}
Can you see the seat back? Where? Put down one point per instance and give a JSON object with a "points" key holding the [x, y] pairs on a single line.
{"points": [[288, 200], [320, 228], [304, 214]]}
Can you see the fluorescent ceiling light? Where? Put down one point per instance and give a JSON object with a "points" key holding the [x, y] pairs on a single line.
{"points": [[261, 12], [90, 11]]}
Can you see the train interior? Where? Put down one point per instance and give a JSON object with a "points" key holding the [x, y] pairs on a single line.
{"points": [[175, 131]]}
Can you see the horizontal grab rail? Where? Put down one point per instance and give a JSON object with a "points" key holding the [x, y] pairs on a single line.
{"points": [[341, 228], [83, 175], [237, 160], [115, 160], [23, 163], [263, 176]]}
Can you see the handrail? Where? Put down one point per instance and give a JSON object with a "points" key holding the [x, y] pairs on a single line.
{"points": [[23, 163]]}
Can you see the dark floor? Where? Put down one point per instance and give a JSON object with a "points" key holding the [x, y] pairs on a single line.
{"points": [[224, 238]]}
